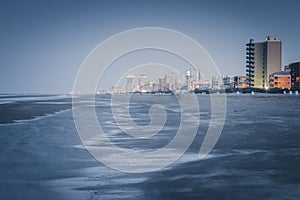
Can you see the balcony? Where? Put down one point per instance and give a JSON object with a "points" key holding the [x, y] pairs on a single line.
{"points": [[250, 81], [250, 44]]}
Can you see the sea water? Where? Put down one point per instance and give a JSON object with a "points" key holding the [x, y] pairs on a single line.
{"points": [[256, 156]]}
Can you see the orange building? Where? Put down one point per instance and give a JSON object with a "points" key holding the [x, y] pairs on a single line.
{"points": [[240, 82], [281, 79]]}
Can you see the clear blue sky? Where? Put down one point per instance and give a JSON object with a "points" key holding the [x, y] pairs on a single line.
{"points": [[43, 43]]}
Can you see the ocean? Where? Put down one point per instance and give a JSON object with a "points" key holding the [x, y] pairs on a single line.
{"points": [[256, 157]]}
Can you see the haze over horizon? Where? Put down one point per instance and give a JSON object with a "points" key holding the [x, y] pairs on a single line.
{"points": [[43, 43]]}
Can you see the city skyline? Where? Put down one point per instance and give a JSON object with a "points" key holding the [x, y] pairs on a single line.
{"points": [[140, 82], [175, 82], [279, 79], [264, 70], [45, 42]]}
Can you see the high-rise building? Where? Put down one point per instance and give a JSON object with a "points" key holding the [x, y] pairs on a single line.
{"points": [[263, 59], [129, 86], [150, 87], [174, 81], [188, 75], [143, 83], [295, 75], [198, 75], [163, 85]]}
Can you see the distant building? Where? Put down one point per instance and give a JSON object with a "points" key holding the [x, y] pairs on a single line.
{"points": [[281, 79], [174, 81], [188, 76], [156, 87], [129, 86], [116, 90], [227, 82], [262, 58], [295, 75], [204, 84], [194, 84], [216, 82], [150, 87], [163, 86], [198, 76], [143, 83], [240, 82]]}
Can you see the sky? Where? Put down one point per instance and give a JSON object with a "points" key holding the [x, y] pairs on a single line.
{"points": [[43, 43]]}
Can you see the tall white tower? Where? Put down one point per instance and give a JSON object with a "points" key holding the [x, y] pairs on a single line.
{"points": [[129, 87]]}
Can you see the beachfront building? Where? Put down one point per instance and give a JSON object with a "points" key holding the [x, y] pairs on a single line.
{"points": [[295, 75], [240, 82], [227, 82], [216, 82], [263, 59], [203, 84], [281, 79]]}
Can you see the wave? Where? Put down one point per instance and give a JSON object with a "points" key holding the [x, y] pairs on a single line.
{"points": [[37, 117], [6, 99]]}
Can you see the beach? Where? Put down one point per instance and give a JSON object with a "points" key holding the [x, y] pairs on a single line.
{"points": [[256, 157]]}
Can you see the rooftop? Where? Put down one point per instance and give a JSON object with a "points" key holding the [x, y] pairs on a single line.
{"points": [[281, 73]]}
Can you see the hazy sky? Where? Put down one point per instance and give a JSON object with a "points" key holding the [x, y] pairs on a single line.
{"points": [[43, 43]]}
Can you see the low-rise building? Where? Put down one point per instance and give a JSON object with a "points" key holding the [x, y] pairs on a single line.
{"points": [[216, 82], [203, 84], [281, 79], [227, 82], [240, 82]]}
